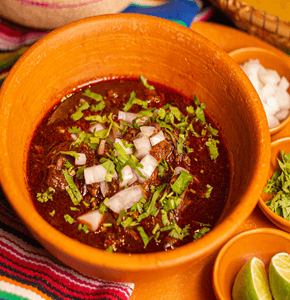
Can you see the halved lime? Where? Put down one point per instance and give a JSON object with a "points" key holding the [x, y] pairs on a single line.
{"points": [[279, 276], [251, 282]]}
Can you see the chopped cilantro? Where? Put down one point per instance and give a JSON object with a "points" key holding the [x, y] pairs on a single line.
{"points": [[47, 195], [178, 232], [279, 186], [68, 165], [190, 109], [144, 236], [180, 142], [52, 213], [69, 219], [212, 146], [97, 118], [133, 100], [83, 227], [175, 112], [182, 182], [200, 233], [164, 218], [100, 106], [80, 172], [146, 84], [200, 114], [111, 248], [79, 113], [212, 130], [103, 206], [162, 167], [72, 189], [74, 129], [71, 153], [110, 167], [95, 96], [208, 191]]}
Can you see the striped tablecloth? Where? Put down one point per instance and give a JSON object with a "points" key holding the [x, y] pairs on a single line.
{"points": [[27, 270]]}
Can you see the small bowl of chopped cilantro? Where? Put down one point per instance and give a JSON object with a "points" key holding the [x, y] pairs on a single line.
{"points": [[275, 197]]}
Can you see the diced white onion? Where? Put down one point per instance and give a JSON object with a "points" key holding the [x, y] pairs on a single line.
{"points": [[140, 154], [74, 136], [116, 133], [95, 174], [127, 150], [92, 219], [128, 176], [81, 160], [97, 127], [149, 164], [126, 116], [101, 149], [147, 130], [272, 90], [129, 117], [142, 144], [157, 138], [125, 198], [132, 180], [104, 188]]}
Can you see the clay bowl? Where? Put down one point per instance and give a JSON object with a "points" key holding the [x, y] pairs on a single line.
{"points": [[276, 150], [262, 243], [270, 60], [164, 52]]}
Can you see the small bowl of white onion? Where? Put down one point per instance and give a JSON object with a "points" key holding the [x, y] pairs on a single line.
{"points": [[269, 72]]}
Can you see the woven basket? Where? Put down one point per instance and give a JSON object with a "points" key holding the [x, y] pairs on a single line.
{"points": [[256, 22]]}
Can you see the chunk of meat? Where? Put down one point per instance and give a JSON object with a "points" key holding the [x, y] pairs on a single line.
{"points": [[55, 177], [161, 150], [93, 188]]}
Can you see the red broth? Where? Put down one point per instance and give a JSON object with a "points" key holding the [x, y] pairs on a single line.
{"points": [[172, 197]]}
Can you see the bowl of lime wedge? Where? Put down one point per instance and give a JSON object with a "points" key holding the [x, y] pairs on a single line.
{"points": [[253, 265]]}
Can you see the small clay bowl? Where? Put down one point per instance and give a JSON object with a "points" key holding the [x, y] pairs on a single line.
{"points": [[262, 243], [270, 60], [276, 150]]}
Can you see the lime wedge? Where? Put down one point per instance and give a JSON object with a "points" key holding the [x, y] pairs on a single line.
{"points": [[279, 276], [251, 282]]}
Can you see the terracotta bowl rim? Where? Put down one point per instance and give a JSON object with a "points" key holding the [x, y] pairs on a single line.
{"points": [[230, 242], [200, 248], [286, 121], [265, 209]]}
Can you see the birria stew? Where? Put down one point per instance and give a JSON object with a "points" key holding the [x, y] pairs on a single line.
{"points": [[129, 166]]}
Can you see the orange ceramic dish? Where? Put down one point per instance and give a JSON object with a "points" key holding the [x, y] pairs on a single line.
{"points": [[164, 52], [270, 60], [262, 243], [276, 150]]}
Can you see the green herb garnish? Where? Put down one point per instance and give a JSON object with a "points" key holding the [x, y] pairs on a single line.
{"points": [[182, 182], [146, 84], [213, 149], [47, 195], [72, 189], [200, 233], [69, 219], [279, 186], [79, 113]]}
